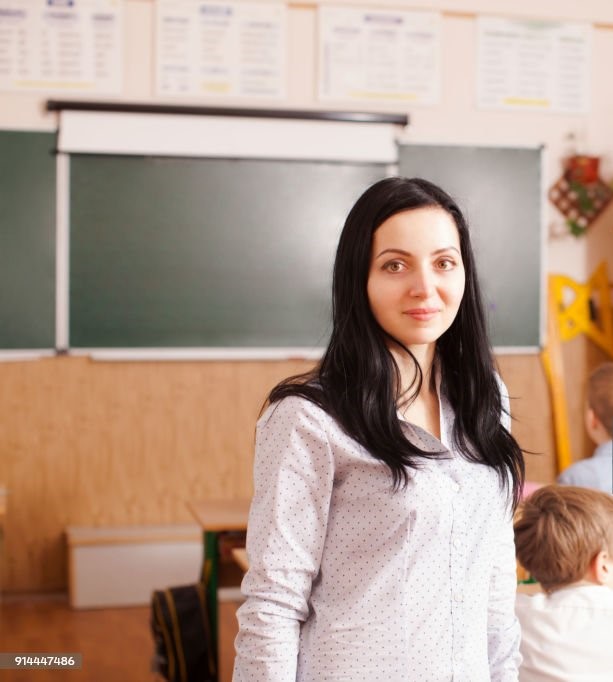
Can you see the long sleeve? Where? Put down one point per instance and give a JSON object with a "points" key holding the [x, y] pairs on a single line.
{"points": [[293, 477], [503, 631]]}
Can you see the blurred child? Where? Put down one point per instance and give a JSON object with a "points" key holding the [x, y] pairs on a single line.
{"points": [[596, 471], [564, 538]]}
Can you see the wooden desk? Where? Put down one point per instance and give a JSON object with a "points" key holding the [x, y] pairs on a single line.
{"points": [[219, 515], [215, 517]]}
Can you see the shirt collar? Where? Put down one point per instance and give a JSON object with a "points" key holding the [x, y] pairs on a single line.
{"points": [[423, 439]]}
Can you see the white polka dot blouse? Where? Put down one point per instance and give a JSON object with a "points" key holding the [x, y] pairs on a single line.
{"points": [[352, 581]]}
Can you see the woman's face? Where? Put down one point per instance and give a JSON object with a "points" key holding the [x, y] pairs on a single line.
{"points": [[416, 277]]}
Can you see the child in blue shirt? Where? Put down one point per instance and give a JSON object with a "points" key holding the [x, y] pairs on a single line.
{"points": [[596, 471]]}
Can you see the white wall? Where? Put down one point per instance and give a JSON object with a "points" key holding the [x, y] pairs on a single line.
{"points": [[454, 119]]}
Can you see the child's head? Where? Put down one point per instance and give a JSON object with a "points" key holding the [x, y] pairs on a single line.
{"points": [[564, 534], [599, 413]]}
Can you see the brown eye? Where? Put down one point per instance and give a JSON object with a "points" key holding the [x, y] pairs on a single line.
{"points": [[446, 264], [393, 266]]}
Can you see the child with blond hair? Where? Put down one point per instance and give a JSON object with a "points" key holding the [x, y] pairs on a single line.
{"points": [[564, 538]]}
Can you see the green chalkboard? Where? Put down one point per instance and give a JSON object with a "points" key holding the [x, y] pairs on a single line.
{"points": [[192, 252], [27, 240]]}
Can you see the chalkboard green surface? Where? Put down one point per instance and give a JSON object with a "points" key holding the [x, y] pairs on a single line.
{"points": [[27, 240], [499, 191], [168, 252]]}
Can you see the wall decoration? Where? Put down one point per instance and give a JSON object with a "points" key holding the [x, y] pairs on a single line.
{"points": [[580, 195]]}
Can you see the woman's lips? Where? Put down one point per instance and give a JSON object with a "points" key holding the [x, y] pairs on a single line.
{"points": [[422, 314]]}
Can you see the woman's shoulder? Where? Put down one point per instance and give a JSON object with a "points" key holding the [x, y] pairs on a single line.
{"points": [[292, 408]]}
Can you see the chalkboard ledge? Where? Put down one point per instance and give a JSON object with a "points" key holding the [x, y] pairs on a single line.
{"points": [[196, 354]]}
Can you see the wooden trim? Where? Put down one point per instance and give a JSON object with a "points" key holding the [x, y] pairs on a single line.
{"points": [[79, 536], [132, 540]]}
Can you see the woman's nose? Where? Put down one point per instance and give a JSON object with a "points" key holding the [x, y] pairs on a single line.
{"points": [[421, 284]]}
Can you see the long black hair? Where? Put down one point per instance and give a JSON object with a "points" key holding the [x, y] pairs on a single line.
{"points": [[357, 380]]}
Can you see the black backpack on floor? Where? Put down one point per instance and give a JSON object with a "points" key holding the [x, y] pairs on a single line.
{"points": [[181, 632]]}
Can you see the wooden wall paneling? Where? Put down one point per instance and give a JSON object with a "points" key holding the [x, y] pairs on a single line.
{"points": [[114, 443], [532, 423], [94, 443], [575, 355]]}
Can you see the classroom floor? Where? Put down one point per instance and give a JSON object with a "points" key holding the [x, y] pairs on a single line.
{"points": [[116, 644]]}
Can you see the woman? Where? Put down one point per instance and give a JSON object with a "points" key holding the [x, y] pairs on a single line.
{"points": [[380, 534]]}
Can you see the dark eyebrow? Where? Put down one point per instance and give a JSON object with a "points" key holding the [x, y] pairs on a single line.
{"points": [[408, 253]]}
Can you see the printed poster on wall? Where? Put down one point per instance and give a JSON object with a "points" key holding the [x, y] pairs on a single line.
{"points": [[532, 65], [61, 45], [367, 54], [220, 49]]}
